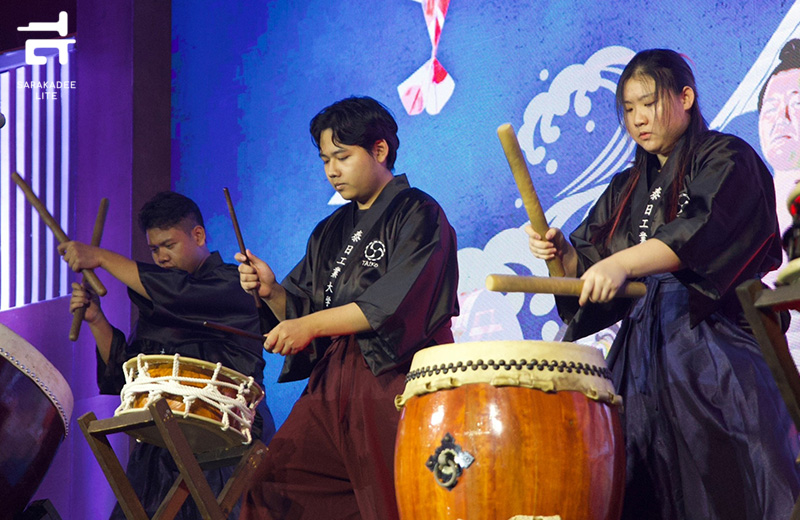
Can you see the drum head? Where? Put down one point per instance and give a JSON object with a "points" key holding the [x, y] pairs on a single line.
{"points": [[544, 365]]}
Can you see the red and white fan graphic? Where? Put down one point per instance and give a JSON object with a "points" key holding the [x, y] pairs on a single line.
{"points": [[430, 87]]}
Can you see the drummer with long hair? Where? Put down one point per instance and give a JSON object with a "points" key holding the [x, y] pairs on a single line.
{"points": [[707, 433]]}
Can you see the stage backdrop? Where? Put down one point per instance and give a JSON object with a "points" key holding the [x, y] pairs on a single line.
{"points": [[248, 76]]}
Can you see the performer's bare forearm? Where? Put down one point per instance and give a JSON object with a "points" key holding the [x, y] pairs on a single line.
{"points": [[650, 257], [123, 269], [338, 321], [293, 335], [277, 301], [570, 261], [103, 334]]}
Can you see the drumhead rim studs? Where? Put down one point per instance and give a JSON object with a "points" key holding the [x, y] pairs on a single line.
{"points": [[42, 386]]}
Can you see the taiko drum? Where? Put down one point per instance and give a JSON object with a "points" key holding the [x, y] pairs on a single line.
{"points": [[214, 405], [35, 410], [506, 430]]}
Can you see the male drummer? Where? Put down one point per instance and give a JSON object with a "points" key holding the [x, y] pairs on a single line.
{"points": [[378, 283], [173, 298]]}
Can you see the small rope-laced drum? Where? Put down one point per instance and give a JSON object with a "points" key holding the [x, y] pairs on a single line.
{"points": [[509, 429], [35, 410], [214, 405]]}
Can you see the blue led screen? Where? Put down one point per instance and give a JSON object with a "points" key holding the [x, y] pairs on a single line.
{"points": [[248, 76]]}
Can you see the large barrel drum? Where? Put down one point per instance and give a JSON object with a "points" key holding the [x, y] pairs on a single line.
{"points": [[35, 409], [512, 429]]}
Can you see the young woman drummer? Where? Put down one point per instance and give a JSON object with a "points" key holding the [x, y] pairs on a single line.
{"points": [[707, 434]]}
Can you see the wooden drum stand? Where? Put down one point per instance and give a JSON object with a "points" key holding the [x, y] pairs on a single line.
{"points": [[191, 480]]}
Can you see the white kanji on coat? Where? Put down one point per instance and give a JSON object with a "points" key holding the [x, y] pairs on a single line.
{"points": [[656, 194]]}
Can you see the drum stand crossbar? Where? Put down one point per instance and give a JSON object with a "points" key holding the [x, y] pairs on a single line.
{"points": [[191, 480]]}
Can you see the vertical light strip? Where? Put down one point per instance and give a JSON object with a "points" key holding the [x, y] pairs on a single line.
{"points": [[22, 253], [64, 95], [35, 176], [51, 174], [36, 143], [5, 200]]}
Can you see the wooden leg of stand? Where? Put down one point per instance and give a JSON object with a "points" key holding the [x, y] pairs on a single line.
{"points": [[113, 471], [172, 503], [185, 460], [770, 337], [772, 341], [241, 477]]}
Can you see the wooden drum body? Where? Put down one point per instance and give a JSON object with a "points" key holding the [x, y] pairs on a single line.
{"points": [[215, 406], [506, 430], [35, 410]]}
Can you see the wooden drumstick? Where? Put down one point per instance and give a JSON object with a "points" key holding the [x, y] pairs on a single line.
{"points": [[239, 238], [88, 274], [233, 330], [558, 286], [530, 200], [97, 236]]}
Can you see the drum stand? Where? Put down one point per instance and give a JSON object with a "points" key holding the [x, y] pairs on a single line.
{"points": [[191, 480], [761, 306]]}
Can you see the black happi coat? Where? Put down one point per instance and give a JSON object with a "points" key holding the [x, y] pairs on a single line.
{"points": [[172, 321], [726, 230], [396, 261]]}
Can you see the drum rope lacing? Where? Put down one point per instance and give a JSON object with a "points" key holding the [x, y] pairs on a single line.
{"points": [[560, 366], [41, 384], [174, 385]]}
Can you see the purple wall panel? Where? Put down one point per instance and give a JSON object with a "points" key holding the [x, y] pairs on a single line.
{"points": [[104, 166]]}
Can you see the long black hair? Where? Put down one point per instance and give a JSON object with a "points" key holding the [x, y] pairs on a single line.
{"points": [[671, 74]]}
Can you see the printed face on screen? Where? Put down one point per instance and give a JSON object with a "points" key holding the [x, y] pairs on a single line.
{"points": [[655, 123], [779, 121], [353, 171]]}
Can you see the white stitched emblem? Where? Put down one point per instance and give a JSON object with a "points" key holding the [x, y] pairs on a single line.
{"points": [[375, 250], [683, 200]]}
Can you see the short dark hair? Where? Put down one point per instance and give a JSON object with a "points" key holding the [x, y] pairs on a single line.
{"points": [[360, 121], [169, 209], [790, 59]]}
